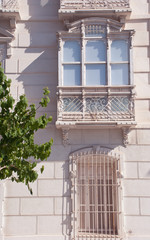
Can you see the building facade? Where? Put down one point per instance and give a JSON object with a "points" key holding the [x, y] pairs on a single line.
{"points": [[94, 56]]}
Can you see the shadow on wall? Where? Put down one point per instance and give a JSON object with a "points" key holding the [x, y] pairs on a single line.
{"points": [[66, 201], [37, 62], [37, 68]]}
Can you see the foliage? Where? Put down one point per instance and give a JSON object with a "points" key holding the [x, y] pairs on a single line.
{"points": [[18, 124]]}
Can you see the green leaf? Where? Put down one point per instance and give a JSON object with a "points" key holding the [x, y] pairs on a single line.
{"points": [[42, 169]]}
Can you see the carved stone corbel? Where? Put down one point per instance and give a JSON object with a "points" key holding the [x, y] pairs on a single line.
{"points": [[13, 23], [125, 134], [65, 136]]}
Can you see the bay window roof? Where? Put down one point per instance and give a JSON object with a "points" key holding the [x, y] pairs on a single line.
{"points": [[72, 9]]}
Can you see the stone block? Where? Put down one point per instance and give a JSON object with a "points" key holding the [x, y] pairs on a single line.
{"points": [[36, 92], [137, 225], [62, 170], [75, 136], [60, 152], [19, 225], [141, 106], [136, 188], [14, 91], [53, 188], [62, 206], [36, 206], [48, 170], [143, 136], [141, 81], [40, 9], [131, 206], [37, 63], [137, 153], [141, 38], [11, 65], [145, 206], [137, 25], [43, 79], [141, 59], [95, 136], [142, 116], [11, 206], [132, 137], [13, 189], [51, 225], [115, 136], [139, 7], [144, 170], [130, 170]]}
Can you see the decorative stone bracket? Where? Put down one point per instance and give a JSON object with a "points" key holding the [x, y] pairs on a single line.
{"points": [[125, 135], [65, 136], [5, 39]]}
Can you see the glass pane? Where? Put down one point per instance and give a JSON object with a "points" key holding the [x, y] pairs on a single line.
{"points": [[71, 51], [119, 51], [119, 74], [71, 75], [95, 74], [95, 51]]}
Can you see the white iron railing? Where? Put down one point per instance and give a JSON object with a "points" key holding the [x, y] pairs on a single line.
{"points": [[96, 105], [9, 5], [79, 4]]}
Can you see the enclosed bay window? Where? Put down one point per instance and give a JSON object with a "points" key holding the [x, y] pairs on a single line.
{"points": [[95, 72], [95, 57]]}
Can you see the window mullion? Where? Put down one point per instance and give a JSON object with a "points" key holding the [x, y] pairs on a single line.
{"points": [[131, 62], [108, 62], [83, 55], [60, 60]]}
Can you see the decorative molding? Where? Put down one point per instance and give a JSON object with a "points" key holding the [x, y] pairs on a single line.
{"points": [[94, 4], [65, 136]]}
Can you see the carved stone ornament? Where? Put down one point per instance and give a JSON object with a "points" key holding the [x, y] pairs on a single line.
{"points": [[125, 132], [65, 136], [2, 52]]}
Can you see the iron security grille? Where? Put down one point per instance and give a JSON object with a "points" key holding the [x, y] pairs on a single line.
{"points": [[96, 197]]}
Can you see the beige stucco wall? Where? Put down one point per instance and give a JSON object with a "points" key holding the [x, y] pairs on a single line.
{"points": [[33, 65]]}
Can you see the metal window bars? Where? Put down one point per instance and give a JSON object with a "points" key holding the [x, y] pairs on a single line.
{"points": [[95, 184], [9, 5]]}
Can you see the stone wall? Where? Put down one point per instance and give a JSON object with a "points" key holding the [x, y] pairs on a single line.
{"points": [[33, 65]]}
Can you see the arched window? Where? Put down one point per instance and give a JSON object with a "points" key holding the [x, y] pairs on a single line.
{"points": [[95, 195]]}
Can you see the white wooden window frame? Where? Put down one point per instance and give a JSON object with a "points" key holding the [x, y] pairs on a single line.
{"points": [[87, 155], [76, 32]]}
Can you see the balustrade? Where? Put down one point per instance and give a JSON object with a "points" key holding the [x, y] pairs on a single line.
{"points": [[9, 5], [106, 104]]}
